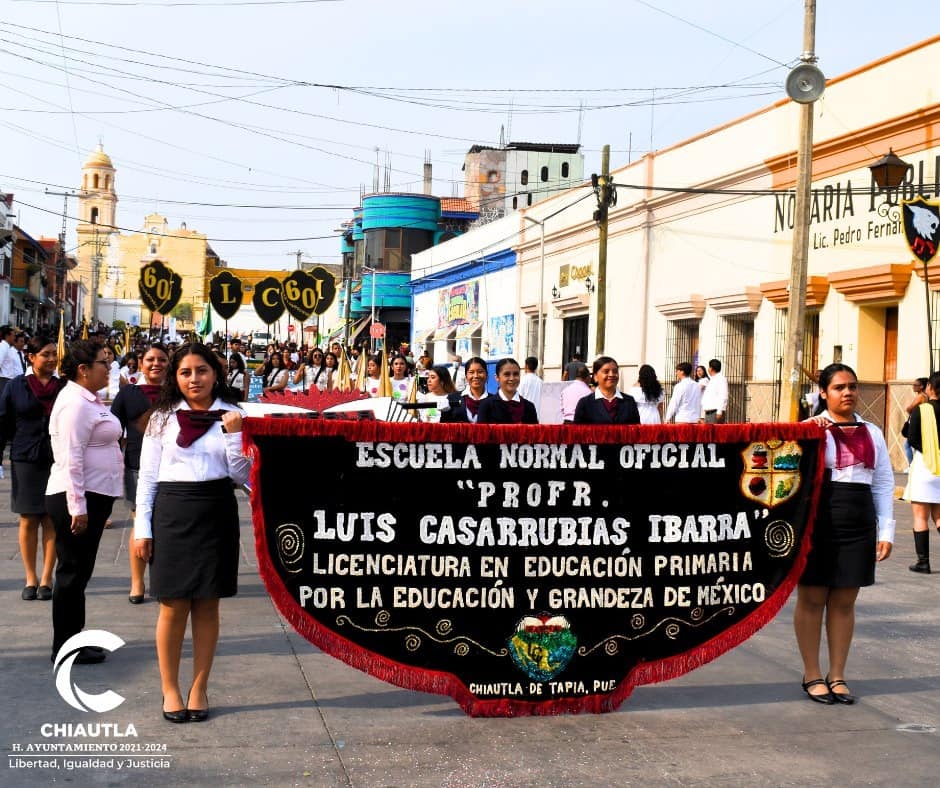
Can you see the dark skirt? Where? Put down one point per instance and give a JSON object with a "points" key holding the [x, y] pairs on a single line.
{"points": [[28, 486], [844, 539], [195, 540]]}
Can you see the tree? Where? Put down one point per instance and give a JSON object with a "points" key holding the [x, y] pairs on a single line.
{"points": [[183, 311]]}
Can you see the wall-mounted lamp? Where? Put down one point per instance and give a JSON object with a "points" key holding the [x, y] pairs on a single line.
{"points": [[555, 292], [889, 171], [588, 284]]}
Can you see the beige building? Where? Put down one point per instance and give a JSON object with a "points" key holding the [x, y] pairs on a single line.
{"points": [[700, 246], [110, 260]]}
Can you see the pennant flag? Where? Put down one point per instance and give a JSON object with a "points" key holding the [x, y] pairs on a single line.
{"points": [[385, 381]]}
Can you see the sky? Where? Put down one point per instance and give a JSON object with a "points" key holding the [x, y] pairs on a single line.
{"points": [[259, 122]]}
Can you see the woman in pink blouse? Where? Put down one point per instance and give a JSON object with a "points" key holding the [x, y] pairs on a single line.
{"points": [[186, 523], [85, 479]]}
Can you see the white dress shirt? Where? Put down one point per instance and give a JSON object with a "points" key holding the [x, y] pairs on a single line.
{"points": [[84, 435], [215, 455], [10, 365], [715, 395], [880, 478], [530, 388], [685, 405]]}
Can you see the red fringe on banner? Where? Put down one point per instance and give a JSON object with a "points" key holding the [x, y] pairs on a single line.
{"points": [[423, 680]]}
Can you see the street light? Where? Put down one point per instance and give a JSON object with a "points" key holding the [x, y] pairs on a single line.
{"points": [[541, 332]]}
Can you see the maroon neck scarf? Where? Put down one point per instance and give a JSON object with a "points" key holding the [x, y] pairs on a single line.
{"points": [[472, 405], [194, 424], [150, 392], [46, 393], [854, 445], [516, 410]]}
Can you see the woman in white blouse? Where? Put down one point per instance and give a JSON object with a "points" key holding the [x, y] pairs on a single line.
{"points": [[187, 518], [86, 476], [854, 528]]}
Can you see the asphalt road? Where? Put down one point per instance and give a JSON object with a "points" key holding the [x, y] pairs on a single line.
{"points": [[284, 713]]}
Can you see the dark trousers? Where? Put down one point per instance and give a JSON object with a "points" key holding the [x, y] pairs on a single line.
{"points": [[75, 556]]}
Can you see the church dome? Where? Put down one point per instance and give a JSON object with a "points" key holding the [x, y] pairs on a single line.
{"points": [[99, 158]]}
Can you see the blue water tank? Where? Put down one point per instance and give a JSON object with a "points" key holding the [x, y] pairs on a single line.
{"points": [[412, 211]]}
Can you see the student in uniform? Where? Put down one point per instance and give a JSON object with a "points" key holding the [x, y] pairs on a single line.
{"points": [[507, 407], [607, 404], [187, 518]]}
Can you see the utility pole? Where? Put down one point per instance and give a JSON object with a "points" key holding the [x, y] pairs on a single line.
{"points": [[95, 278], [606, 197], [60, 265], [790, 390]]}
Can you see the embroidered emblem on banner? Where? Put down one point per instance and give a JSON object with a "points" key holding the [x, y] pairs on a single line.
{"points": [[771, 471]]}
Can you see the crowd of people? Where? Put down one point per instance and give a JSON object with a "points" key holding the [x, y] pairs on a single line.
{"points": [[161, 427]]}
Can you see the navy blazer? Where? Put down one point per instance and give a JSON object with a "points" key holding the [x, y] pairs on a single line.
{"points": [[493, 410], [23, 423], [591, 410]]}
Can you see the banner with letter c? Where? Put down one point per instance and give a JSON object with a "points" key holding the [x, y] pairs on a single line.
{"points": [[531, 569]]}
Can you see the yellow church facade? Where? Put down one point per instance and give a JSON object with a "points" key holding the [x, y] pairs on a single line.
{"points": [[110, 258]]}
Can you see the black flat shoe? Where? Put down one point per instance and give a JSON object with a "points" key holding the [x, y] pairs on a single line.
{"points": [[825, 699], [846, 698], [136, 599], [90, 656], [197, 715], [29, 593], [174, 716], [44, 593]]}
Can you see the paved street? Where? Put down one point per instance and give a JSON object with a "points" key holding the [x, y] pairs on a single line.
{"points": [[285, 714]]}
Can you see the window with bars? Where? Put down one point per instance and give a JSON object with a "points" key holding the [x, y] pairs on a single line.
{"points": [[810, 353], [532, 336], [734, 344], [681, 345], [935, 327]]}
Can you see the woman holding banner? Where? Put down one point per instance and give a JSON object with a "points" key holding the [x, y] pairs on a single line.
{"points": [[507, 407], [187, 518], [854, 528], [447, 407]]}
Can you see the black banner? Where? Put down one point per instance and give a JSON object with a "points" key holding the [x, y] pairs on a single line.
{"points": [[225, 294], [922, 227], [267, 300], [530, 569], [299, 293], [326, 289], [160, 287]]}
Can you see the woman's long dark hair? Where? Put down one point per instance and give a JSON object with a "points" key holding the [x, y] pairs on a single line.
{"points": [[649, 383], [170, 394], [825, 378], [443, 374]]}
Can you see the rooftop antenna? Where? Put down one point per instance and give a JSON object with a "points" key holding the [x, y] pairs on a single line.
{"points": [[388, 172], [502, 136], [375, 172], [580, 118]]}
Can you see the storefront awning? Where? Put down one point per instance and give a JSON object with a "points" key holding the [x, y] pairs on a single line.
{"points": [[468, 329], [424, 336], [444, 333]]}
